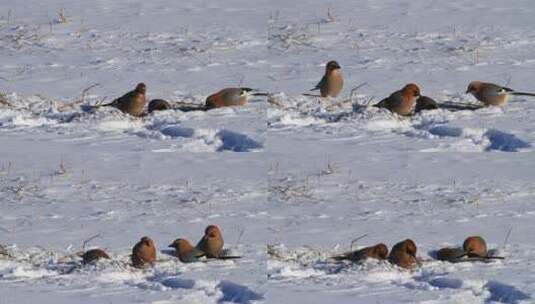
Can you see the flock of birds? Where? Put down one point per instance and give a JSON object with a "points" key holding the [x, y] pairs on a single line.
{"points": [[144, 252], [405, 101], [403, 254]]}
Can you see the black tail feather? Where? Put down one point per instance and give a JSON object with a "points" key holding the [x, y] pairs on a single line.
{"points": [[522, 94]]}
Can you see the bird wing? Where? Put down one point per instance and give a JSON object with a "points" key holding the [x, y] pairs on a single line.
{"points": [[320, 84], [231, 95], [196, 252], [123, 99], [200, 244], [495, 90], [391, 101]]}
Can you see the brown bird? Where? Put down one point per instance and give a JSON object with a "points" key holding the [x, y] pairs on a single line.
{"points": [[378, 252], [185, 252], [492, 94], [228, 97], [401, 102], [144, 252], [450, 254], [332, 82], [132, 102], [158, 105], [212, 242], [475, 246], [403, 254], [424, 103], [93, 255]]}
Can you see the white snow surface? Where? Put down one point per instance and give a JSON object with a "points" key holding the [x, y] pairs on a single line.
{"points": [[292, 181]]}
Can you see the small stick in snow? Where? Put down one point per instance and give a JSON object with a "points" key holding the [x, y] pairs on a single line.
{"points": [[508, 81], [242, 78], [242, 231], [357, 239], [84, 245], [507, 237], [4, 252], [79, 101], [100, 102], [3, 100]]}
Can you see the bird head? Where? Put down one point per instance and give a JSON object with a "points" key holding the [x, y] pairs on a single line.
{"points": [[141, 88], [411, 90], [212, 231], [475, 245], [380, 251], [147, 241], [181, 245], [245, 92], [332, 65], [410, 247], [474, 87]]}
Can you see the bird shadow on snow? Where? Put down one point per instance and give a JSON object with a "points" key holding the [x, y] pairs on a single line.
{"points": [[499, 292], [503, 293], [236, 293], [231, 292], [490, 139], [224, 140]]}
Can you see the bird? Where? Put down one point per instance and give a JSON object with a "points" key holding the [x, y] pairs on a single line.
{"points": [[228, 97], [212, 242], [158, 105], [185, 252], [132, 102], [332, 82], [378, 252], [491, 94], [450, 254], [144, 252], [424, 103], [475, 246], [93, 255], [401, 102], [403, 254]]}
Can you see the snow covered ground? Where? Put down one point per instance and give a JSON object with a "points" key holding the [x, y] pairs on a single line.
{"points": [[291, 182]]}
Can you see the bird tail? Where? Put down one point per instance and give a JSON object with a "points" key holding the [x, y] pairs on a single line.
{"points": [[522, 94], [339, 257], [111, 104], [228, 257], [380, 104]]}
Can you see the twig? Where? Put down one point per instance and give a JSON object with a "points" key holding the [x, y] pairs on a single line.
{"points": [[507, 237], [242, 78], [89, 240], [366, 103], [357, 239], [100, 102], [330, 16], [79, 101], [3, 100], [273, 101], [242, 231], [508, 80], [4, 252], [355, 89]]}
